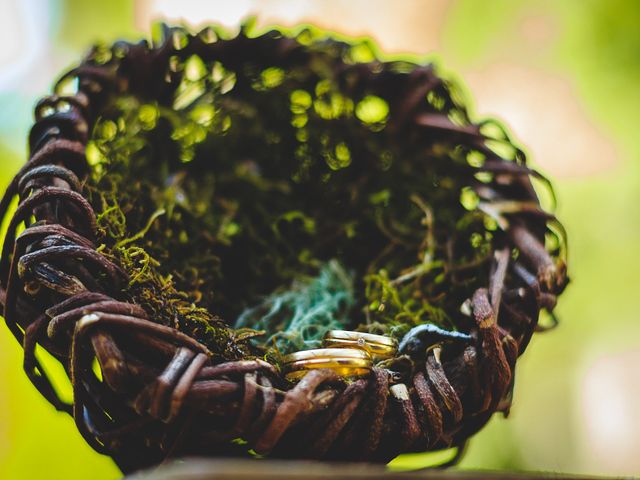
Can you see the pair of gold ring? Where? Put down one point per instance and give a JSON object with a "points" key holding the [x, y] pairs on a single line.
{"points": [[349, 354]]}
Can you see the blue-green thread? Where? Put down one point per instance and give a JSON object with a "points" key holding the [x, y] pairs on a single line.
{"points": [[298, 318]]}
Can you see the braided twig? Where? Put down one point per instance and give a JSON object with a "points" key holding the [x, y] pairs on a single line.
{"points": [[158, 394]]}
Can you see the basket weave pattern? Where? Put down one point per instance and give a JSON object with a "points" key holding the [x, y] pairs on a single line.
{"points": [[158, 393]]}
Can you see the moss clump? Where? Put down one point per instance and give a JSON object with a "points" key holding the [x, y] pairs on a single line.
{"points": [[256, 176]]}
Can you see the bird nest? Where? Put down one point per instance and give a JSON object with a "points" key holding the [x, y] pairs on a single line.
{"points": [[197, 207]]}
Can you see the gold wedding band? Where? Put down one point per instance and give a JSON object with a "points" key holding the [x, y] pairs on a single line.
{"points": [[346, 362], [380, 347]]}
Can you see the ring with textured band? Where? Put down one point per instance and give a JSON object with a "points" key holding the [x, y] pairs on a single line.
{"points": [[380, 347]]}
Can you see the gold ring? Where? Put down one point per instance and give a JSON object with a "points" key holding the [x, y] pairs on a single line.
{"points": [[346, 362], [380, 347]]}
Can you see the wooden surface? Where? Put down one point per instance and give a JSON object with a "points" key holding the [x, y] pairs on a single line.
{"points": [[199, 469]]}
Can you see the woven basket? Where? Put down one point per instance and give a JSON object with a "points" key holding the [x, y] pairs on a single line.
{"points": [[160, 393]]}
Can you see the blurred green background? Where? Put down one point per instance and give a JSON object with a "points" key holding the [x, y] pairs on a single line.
{"points": [[564, 75]]}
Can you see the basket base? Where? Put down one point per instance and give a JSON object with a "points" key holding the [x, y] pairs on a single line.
{"points": [[233, 469]]}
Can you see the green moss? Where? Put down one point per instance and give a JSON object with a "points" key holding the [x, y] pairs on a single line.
{"points": [[256, 178]]}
